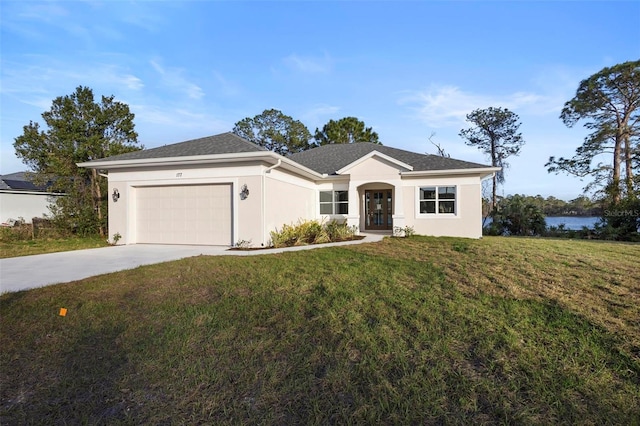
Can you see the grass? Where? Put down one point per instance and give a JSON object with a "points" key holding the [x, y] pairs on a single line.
{"points": [[10, 248], [405, 331]]}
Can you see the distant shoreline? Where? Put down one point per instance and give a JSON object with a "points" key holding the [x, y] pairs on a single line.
{"points": [[571, 215]]}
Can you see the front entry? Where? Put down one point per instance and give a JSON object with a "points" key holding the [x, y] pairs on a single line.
{"points": [[378, 209]]}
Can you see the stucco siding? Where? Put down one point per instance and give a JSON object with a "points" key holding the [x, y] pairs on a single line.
{"points": [[17, 205], [467, 221], [118, 219], [288, 199], [246, 215], [277, 196], [249, 212], [374, 169], [264, 191]]}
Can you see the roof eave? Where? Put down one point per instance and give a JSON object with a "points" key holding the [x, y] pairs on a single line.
{"points": [[164, 161], [482, 171], [267, 156], [30, 192]]}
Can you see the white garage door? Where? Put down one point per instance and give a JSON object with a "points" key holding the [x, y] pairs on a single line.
{"points": [[189, 214]]}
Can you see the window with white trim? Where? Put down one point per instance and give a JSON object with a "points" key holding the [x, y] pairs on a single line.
{"points": [[334, 202], [438, 200]]}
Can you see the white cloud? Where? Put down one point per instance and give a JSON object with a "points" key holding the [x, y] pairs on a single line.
{"points": [[139, 15], [32, 84], [132, 82], [319, 114], [226, 87], [172, 78], [43, 20], [174, 116], [309, 64], [169, 124], [45, 12], [444, 106]]}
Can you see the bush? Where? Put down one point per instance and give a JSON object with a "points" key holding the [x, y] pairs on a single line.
{"points": [[337, 231], [18, 232], [514, 215], [492, 229], [407, 231], [311, 232], [561, 231], [41, 229], [621, 221]]}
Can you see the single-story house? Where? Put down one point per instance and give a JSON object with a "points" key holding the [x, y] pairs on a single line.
{"points": [[22, 199], [223, 189]]}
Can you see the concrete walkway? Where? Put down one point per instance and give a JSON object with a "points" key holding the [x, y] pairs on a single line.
{"points": [[26, 272]]}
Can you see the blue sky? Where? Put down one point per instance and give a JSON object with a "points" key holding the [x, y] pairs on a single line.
{"points": [[408, 69]]}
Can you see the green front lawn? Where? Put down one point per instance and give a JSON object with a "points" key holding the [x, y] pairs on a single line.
{"points": [[42, 246], [406, 331]]}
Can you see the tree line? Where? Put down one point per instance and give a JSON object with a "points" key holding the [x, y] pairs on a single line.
{"points": [[80, 129], [281, 133], [608, 105], [552, 206]]}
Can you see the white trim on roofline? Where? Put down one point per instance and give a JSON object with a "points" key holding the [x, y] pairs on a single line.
{"points": [[483, 171], [268, 156], [30, 192], [273, 158], [180, 160], [376, 154]]}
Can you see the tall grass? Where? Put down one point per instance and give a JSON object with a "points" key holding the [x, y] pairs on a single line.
{"points": [[27, 247]]}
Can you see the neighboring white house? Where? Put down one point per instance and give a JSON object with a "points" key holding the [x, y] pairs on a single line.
{"points": [[20, 198], [223, 189]]}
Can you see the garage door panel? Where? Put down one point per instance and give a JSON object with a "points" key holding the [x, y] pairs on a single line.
{"points": [[189, 214]]}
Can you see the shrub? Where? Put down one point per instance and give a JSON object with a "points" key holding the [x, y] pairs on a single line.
{"points": [[311, 232], [515, 215], [621, 221], [407, 231], [19, 232], [243, 244], [39, 229], [337, 231]]}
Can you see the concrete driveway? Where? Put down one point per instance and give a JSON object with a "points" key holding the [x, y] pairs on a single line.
{"points": [[23, 273]]}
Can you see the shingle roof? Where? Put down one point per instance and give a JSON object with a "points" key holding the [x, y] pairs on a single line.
{"points": [[330, 158], [21, 181], [225, 143], [325, 159]]}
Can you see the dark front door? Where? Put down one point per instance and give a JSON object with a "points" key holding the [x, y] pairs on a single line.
{"points": [[378, 209]]}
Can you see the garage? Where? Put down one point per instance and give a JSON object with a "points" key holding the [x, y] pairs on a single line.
{"points": [[184, 214]]}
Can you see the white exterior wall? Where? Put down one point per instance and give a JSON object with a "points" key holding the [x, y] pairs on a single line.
{"points": [[246, 214], [278, 197], [288, 199], [380, 173], [374, 173], [467, 222], [25, 205]]}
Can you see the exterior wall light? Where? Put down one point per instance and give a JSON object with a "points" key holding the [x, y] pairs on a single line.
{"points": [[116, 195], [244, 192]]}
